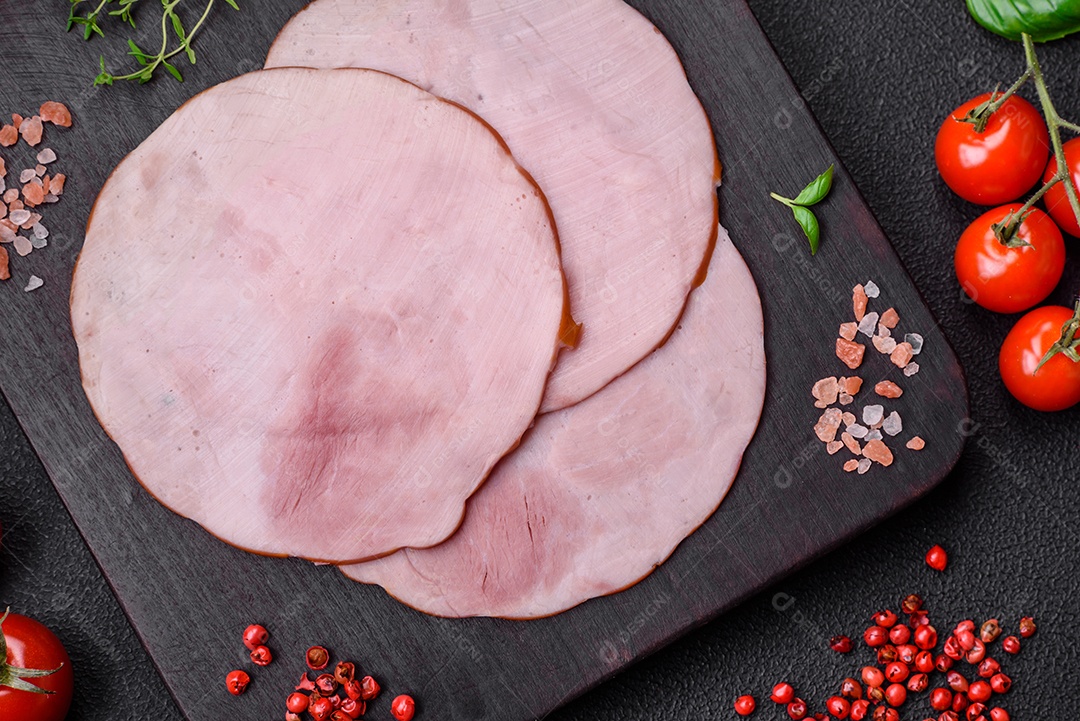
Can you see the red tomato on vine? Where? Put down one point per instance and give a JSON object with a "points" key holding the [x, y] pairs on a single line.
{"points": [[36, 680], [1010, 278], [1056, 385], [999, 164]]}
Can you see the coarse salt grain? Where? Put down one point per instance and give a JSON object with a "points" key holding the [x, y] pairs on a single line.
{"points": [[40, 231], [828, 425], [852, 445], [34, 283], [868, 324], [848, 330], [850, 353], [46, 156], [916, 443], [872, 414], [848, 418], [871, 289], [27, 175], [23, 246], [876, 450], [888, 389], [915, 341], [890, 318], [858, 302], [38, 243], [833, 447], [851, 465], [874, 435], [892, 424], [883, 330], [901, 355], [884, 344], [846, 400], [858, 431], [18, 217], [864, 465], [911, 369], [825, 391]]}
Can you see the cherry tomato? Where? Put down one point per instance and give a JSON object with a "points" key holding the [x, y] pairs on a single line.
{"points": [[1004, 279], [31, 645], [999, 164], [1057, 384], [1057, 202]]}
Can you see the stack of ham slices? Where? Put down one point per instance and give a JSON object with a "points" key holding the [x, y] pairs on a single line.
{"points": [[439, 297]]}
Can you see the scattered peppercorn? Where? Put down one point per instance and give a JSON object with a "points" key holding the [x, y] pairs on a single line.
{"points": [[1000, 683], [1011, 644], [988, 667], [237, 682], [911, 603], [850, 688], [344, 671], [936, 558], [924, 662], [979, 691], [744, 705], [838, 706], [885, 618], [897, 672], [872, 676], [926, 637], [1027, 627], [899, 634], [782, 693], [840, 644], [941, 699], [796, 709], [255, 636], [297, 702], [317, 658], [875, 636], [999, 714], [325, 684], [859, 709], [403, 708], [896, 694], [261, 656], [887, 654], [918, 682], [990, 630], [321, 708]]}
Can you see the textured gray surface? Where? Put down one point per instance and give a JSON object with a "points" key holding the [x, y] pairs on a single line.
{"points": [[879, 77]]}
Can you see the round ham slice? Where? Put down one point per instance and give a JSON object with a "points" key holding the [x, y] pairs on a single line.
{"points": [[314, 308], [595, 104], [599, 494]]}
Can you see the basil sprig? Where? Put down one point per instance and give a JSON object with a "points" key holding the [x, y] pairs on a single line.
{"points": [[812, 194]]}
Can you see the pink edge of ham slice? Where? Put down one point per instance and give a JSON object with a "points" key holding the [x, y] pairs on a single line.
{"points": [[595, 104], [314, 308], [599, 494]]}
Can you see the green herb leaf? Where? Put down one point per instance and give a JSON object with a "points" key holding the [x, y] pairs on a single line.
{"points": [[190, 53], [178, 27], [816, 191], [232, 4], [1043, 20], [809, 224], [172, 70]]}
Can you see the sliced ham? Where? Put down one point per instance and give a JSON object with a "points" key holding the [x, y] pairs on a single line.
{"points": [[314, 308], [602, 492], [594, 103]]}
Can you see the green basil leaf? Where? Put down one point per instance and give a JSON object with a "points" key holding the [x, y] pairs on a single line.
{"points": [[817, 190], [809, 223], [1043, 20]]}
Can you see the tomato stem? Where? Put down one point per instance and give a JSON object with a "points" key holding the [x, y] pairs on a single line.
{"points": [[1054, 124], [1006, 231], [1068, 343]]}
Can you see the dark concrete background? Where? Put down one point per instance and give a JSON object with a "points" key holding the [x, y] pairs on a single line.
{"points": [[879, 76]]}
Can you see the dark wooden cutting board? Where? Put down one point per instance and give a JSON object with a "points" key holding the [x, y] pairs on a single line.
{"points": [[189, 596]]}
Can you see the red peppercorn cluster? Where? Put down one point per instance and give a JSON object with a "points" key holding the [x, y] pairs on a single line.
{"points": [[908, 657], [337, 696]]}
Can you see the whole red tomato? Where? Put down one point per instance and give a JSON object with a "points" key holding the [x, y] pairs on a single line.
{"points": [[1056, 386], [999, 164], [1006, 279], [1057, 202], [29, 649]]}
